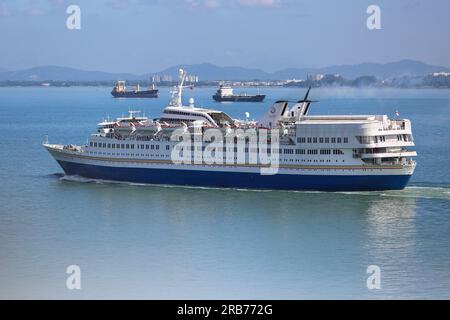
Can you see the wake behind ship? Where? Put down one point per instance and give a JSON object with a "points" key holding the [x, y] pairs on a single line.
{"points": [[327, 153]]}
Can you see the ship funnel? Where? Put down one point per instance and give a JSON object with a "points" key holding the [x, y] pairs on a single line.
{"points": [[277, 112], [301, 108]]}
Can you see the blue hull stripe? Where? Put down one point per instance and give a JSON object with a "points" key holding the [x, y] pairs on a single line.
{"points": [[238, 179]]}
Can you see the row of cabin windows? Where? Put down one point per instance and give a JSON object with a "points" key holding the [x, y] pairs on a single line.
{"points": [[235, 149], [148, 155], [126, 146], [183, 113], [371, 139], [404, 137], [130, 154], [321, 151], [322, 140], [378, 139], [202, 148], [284, 151]]}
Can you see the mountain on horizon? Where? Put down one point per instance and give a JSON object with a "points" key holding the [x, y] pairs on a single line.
{"points": [[56, 73], [387, 70], [208, 71]]}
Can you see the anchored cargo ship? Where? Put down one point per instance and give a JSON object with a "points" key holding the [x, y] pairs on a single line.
{"points": [[225, 94], [120, 91], [195, 146]]}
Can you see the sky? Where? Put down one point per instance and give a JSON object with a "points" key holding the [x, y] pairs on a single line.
{"points": [[140, 36]]}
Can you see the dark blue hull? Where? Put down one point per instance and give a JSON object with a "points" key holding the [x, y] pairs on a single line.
{"points": [[238, 179], [239, 98], [136, 94]]}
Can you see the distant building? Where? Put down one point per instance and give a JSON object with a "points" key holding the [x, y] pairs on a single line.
{"points": [[441, 74], [167, 78], [314, 77], [437, 80], [156, 78], [295, 81], [191, 78]]}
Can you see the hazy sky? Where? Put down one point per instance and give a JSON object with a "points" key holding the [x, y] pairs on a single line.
{"points": [[142, 36]]}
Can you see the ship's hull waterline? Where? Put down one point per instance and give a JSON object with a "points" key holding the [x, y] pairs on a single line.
{"points": [[244, 180]]}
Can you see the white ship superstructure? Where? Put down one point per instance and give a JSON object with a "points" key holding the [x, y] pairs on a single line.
{"points": [[332, 153]]}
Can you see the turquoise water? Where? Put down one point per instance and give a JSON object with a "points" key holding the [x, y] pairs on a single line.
{"points": [[137, 241]]}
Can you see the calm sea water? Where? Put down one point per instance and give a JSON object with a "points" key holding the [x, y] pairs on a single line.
{"points": [[137, 241]]}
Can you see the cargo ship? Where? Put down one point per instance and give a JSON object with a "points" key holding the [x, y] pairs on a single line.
{"points": [[285, 149], [225, 94], [120, 91]]}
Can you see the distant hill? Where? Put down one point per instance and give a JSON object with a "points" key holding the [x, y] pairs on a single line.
{"points": [[387, 70], [401, 68], [55, 73], [207, 71]]}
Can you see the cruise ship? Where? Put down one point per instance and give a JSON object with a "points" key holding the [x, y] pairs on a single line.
{"points": [[293, 150]]}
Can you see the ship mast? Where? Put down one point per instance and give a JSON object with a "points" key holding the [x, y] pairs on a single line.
{"points": [[177, 91]]}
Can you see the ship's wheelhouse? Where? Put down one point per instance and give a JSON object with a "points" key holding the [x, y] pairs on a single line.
{"points": [[189, 115]]}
